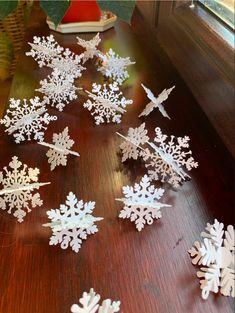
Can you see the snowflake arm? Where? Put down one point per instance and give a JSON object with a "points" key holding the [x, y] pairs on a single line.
{"points": [[90, 47], [27, 120], [72, 223], [19, 182]]}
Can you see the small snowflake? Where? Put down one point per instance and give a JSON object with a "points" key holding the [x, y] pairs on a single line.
{"points": [[166, 161], [90, 47], [71, 223], [58, 90], [68, 63], [114, 66], [44, 49], [108, 103], [57, 154], [217, 253], [18, 185], [141, 203], [89, 304], [156, 102], [27, 120]]}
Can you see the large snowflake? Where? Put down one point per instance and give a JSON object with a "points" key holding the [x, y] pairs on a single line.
{"points": [[68, 63], [89, 304], [166, 160], [25, 120], [141, 203], [44, 49], [18, 184], [90, 47], [58, 89], [156, 102], [71, 223], [114, 66], [217, 253], [107, 103], [60, 149]]}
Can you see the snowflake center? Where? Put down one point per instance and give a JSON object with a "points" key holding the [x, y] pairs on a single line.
{"points": [[224, 257], [168, 158]]}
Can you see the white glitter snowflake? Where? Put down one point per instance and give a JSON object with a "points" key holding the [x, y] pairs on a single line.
{"points": [[114, 66], [44, 49], [57, 154], [108, 103], [166, 161], [141, 203], [58, 89], [90, 47], [217, 253], [71, 223], [68, 63], [18, 184], [89, 304], [25, 120], [156, 102]]}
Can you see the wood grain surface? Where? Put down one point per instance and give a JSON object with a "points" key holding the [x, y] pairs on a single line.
{"points": [[150, 271]]}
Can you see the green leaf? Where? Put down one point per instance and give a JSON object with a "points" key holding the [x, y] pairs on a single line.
{"points": [[122, 8], [55, 9], [6, 7]]}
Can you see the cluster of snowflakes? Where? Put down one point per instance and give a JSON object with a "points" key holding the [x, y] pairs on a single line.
{"points": [[166, 158]]}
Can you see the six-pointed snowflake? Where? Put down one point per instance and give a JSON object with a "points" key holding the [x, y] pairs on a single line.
{"points": [[58, 89], [89, 304], [44, 49], [114, 66], [90, 47], [57, 154], [25, 120], [141, 203], [18, 184], [166, 161], [156, 102], [108, 103], [71, 223], [217, 253], [68, 63]]}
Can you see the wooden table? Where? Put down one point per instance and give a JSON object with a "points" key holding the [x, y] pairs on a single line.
{"points": [[150, 271]]}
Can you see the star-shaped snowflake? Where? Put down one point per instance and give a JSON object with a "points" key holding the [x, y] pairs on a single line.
{"points": [[108, 103], [71, 223], [58, 89], [217, 253], [141, 203], [18, 184], [44, 49], [25, 120], [166, 160], [114, 66], [68, 63], [90, 47], [60, 149], [89, 304]]}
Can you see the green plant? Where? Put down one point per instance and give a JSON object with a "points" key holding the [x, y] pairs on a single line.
{"points": [[56, 9]]}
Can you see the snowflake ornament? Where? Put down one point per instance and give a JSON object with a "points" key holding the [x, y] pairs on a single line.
{"points": [[156, 102], [71, 223], [166, 160], [114, 66], [90, 47], [89, 304], [44, 49], [57, 154], [217, 254], [58, 89], [68, 63], [141, 203], [18, 184], [108, 103], [27, 120]]}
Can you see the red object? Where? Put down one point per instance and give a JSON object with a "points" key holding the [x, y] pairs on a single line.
{"points": [[82, 11]]}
